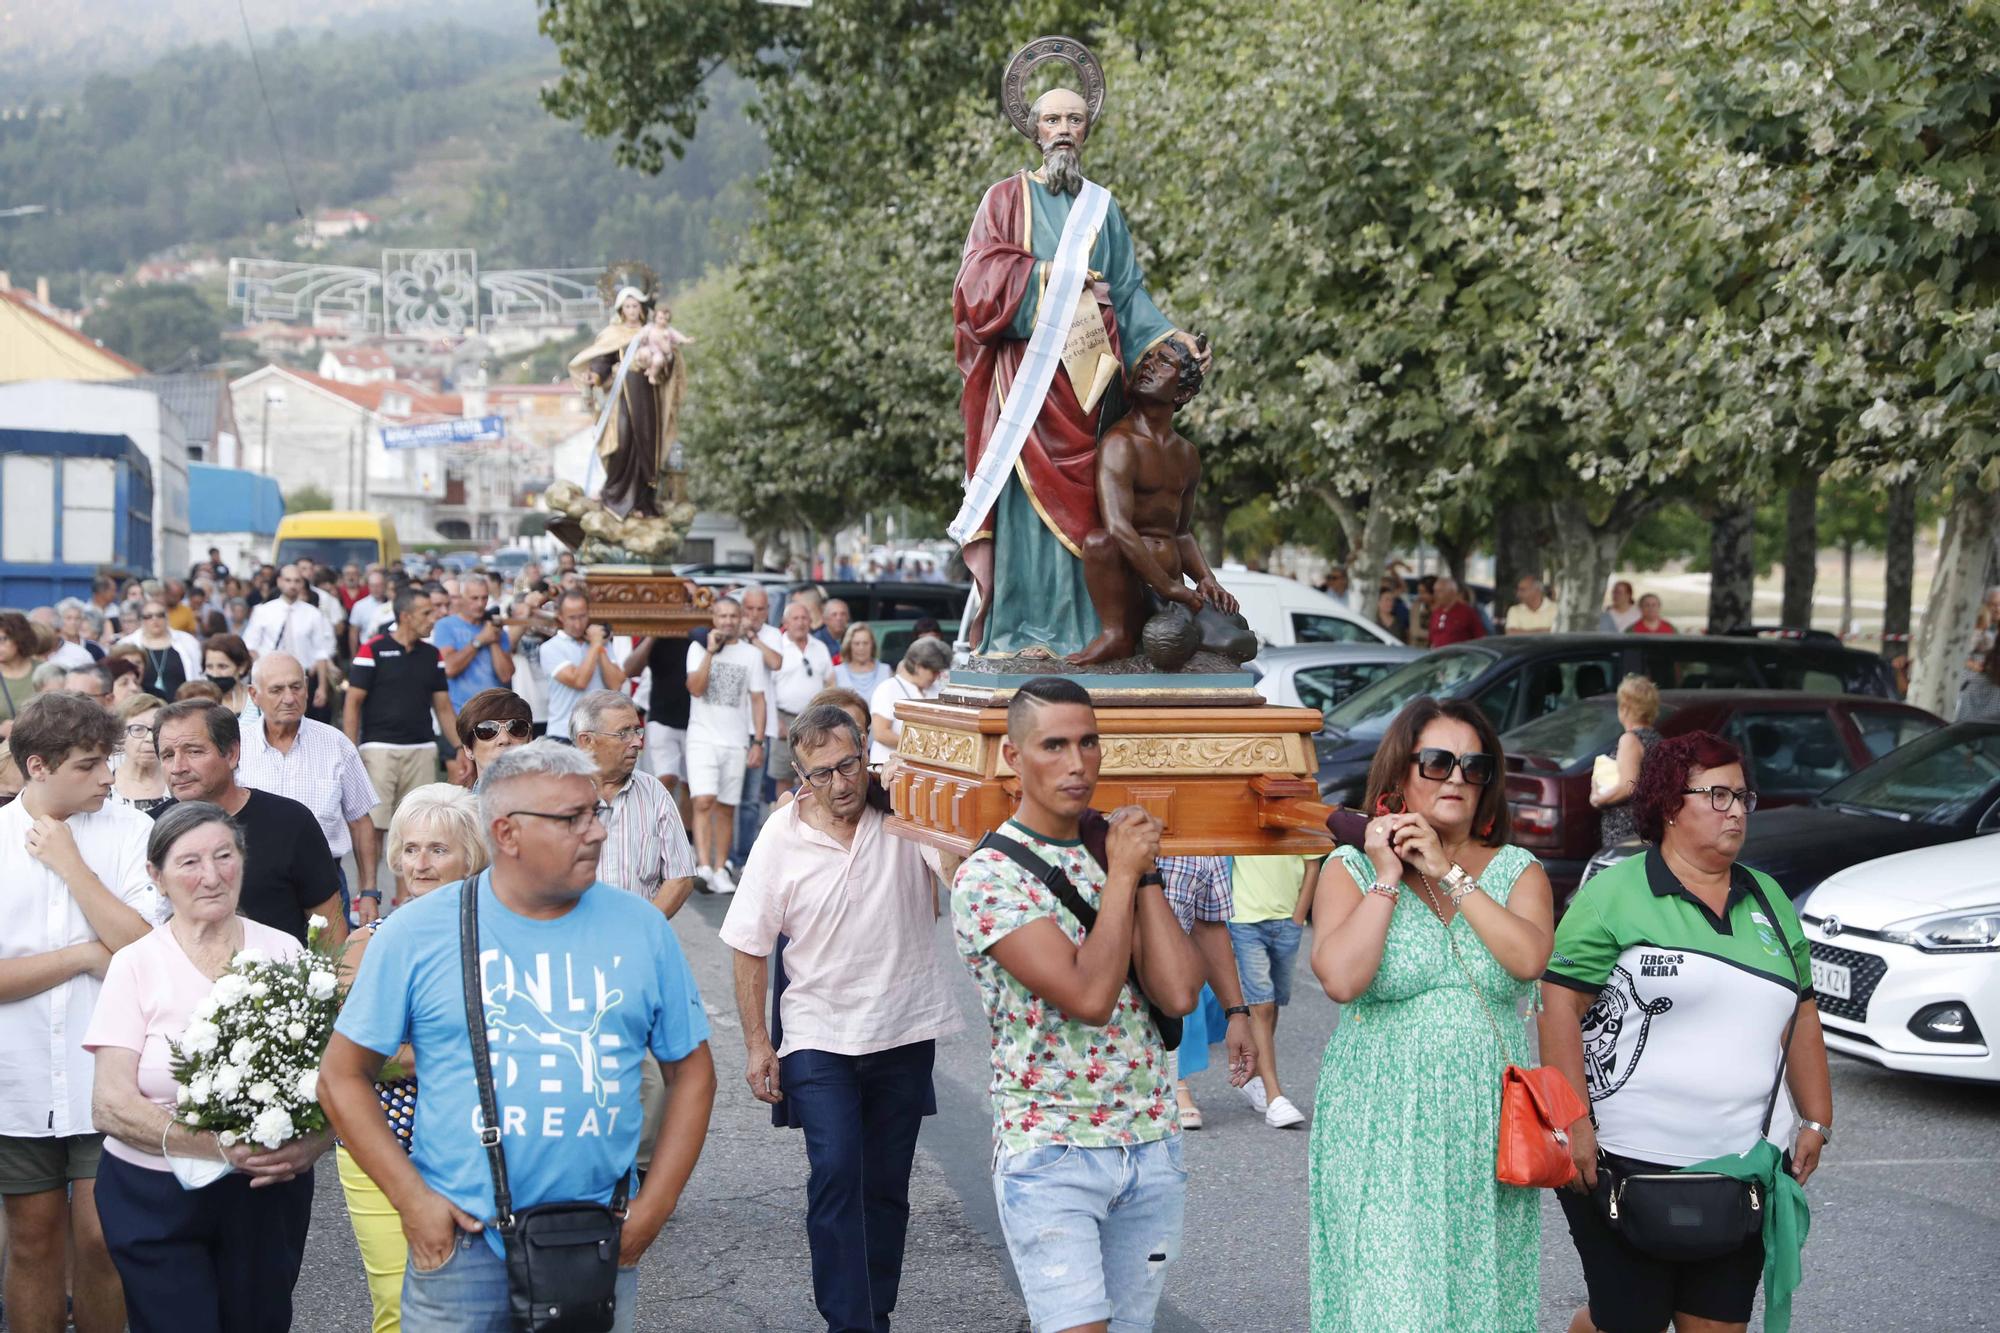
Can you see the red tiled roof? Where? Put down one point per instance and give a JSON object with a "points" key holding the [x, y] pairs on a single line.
{"points": [[361, 358], [423, 403], [33, 310]]}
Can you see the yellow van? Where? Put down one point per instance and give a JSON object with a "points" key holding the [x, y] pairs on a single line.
{"points": [[336, 537]]}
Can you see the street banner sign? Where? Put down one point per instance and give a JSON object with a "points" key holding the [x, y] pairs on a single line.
{"points": [[434, 434]]}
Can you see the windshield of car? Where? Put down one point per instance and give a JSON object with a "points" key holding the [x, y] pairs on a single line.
{"points": [[1445, 675], [1935, 779], [1568, 736], [334, 552]]}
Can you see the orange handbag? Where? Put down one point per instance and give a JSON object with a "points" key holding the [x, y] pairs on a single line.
{"points": [[1537, 1107]]}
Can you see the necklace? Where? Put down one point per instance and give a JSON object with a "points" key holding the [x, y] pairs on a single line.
{"points": [[1431, 898], [159, 664]]}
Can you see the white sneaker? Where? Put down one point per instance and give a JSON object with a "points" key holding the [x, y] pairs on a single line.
{"points": [[704, 879], [721, 882], [1253, 1092], [1283, 1115]]}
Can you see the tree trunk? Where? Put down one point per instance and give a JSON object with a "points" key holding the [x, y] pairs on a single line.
{"points": [[1520, 546], [1801, 553], [1590, 556], [1452, 549], [1370, 554], [1847, 590], [1901, 574], [1732, 570], [1946, 632]]}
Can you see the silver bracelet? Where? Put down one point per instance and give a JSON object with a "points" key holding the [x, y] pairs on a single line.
{"points": [[1460, 883]]}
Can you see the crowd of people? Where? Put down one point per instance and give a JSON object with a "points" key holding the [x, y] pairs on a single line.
{"points": [[1433, 610], [475, 760]]}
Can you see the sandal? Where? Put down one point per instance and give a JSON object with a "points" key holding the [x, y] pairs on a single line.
{"points": [[1190, 1113]]}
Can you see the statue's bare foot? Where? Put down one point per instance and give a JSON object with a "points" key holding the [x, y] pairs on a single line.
{"points": [[1106, 647]]}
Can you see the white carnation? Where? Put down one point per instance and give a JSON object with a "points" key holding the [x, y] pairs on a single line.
{"points": [[259, 989], [243, 1051], [316, 921], [272, 1127], [297, 1032], [245, 957], [201, 1087], [227, 1138], [200, 1038], [206, 1009], [262, 1091], [308, 1085], [321, 985], [230, 989], [229, 1080], [182, 1096]]}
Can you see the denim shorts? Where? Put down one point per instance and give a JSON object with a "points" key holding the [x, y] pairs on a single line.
{"points": [[1265, 951], [467, 1293], [1092, 1231]]}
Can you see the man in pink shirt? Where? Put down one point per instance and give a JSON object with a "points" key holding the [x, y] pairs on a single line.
{"points": [[865, 1003], [1452, 619]]}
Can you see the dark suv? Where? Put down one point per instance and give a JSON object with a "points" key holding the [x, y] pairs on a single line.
{"points": [[1519, 679]]}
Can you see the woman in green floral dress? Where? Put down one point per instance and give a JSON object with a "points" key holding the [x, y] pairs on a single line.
{"points": [[1430, 936]]}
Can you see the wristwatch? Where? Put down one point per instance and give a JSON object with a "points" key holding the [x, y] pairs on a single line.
{"points": [[1236, 1009], [376, 894], [1825, 1132], [1152, 879]]}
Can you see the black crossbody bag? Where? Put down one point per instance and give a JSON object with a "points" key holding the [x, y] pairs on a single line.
{"points": [[562, 1258], [1053, 878], [1686, 1216]]}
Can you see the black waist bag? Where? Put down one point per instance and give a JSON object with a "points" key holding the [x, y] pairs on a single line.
{"points": [[1684, 1216], [562, 1258], [1057, 883]]}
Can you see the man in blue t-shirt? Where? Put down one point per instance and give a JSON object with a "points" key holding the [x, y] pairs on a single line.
{"points": [[581, 982], [477, 655]]}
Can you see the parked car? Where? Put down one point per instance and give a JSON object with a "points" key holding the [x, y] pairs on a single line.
{"points": [[1320, 675], [894, 599], [1798, 745], [1284, 611], [892, 637], [1940, 788], [1906, 959], [1520, 679]]}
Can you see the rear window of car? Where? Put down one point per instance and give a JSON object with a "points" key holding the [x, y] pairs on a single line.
{"points": [[1697, 664], [1886, 729], [1310, 628], [1824, 672], [1446, 675], [1323, 687], [1571, 735], [1791, 751]]}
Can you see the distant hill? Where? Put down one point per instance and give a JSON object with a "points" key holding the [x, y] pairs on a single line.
{"points": [[434, 129]]}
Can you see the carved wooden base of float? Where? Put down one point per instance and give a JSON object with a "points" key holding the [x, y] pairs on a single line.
{"points": [[1225, 780], [641, 600]]}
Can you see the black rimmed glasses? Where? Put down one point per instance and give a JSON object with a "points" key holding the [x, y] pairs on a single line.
{"points": [[577, 822], [1721, 798], [1436, 763], [823, 777]]}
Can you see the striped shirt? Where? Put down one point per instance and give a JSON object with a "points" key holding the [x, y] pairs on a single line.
{"points": [[647, 844], [1198, 888], [322, 771]]}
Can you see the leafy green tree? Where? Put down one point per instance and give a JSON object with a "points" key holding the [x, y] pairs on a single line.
{"points": [[307, 498], [164, 328]]}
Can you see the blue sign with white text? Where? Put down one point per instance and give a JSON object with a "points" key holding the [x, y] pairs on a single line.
{"points": [[465, 430]]}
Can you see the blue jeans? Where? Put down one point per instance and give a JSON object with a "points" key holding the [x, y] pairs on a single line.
{"points": [[749, 814], [860, 1114], [1092, 1231], [468, 1293], [1265, 952]]}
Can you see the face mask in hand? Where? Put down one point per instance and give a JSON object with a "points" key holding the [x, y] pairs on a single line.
{"points": [[223, 683]]}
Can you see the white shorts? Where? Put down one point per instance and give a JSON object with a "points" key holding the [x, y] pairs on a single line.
{"points": [[666, 751], [716, 770]]}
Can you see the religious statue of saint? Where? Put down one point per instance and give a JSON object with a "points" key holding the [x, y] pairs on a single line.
{"points": [[1050, 312], [636, 363], [1138, 564]]}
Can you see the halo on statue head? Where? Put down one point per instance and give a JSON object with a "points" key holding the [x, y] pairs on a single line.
{"points": [[626, 273], [1039, 52]]}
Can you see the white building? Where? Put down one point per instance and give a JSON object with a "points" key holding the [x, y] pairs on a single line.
{"points": [[356, 364], [101, 408]]}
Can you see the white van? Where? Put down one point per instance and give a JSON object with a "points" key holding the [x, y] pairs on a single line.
{"points": [[1284, 611]]}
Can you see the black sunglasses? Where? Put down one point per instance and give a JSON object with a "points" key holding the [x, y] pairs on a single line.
{"points": [[514, 727], [1436, 763]]}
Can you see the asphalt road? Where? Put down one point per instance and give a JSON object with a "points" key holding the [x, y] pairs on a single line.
{"points": [[1905, 1224]]}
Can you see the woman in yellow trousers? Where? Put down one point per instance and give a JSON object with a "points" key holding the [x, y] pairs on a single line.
{"points": [[433, 841]]}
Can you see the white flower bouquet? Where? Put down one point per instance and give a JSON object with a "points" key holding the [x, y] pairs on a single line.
{"points": [[248, 1063]]}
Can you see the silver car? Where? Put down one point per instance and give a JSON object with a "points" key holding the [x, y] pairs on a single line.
{"points": [[1320, 675]]}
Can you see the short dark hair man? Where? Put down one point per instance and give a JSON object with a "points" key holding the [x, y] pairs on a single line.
{"points": [[395, 687], [288, 873], [73, 891], [865, 1002], [1079, 1070]]}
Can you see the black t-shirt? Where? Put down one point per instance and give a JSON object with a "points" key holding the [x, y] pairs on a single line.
{"points": [[287, 870], [669, 665], [400, 682]]}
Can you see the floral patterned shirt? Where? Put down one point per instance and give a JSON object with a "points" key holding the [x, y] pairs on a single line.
{"points": [[1055, 1079]]}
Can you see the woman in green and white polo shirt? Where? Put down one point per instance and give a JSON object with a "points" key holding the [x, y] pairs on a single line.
{"points": [[1676, 974]]}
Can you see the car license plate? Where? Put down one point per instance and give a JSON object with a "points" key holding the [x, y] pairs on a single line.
{"points": [[1833, 979]]}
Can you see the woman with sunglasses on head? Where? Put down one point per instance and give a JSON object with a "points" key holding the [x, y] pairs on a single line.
{"points": [[491, 721], [1431, 933], [1682, 981]]}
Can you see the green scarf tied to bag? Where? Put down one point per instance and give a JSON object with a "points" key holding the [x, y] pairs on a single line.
{"points": [[1787, 1219]]}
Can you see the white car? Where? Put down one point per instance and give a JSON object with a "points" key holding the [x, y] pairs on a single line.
{"points": [[1320, 675], [1284, 611], [1906, 959]]}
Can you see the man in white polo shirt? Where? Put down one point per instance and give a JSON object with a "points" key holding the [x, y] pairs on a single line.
{"points": [[805, 668], [727, 686], [865, 1004]]}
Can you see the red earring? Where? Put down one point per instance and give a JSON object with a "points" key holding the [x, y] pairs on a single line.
{"points": [[1487, 832], [1382, 806]]}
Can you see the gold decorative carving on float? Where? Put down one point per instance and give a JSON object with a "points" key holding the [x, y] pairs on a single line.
{"points": [[935, 745], [1195, 754]]}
